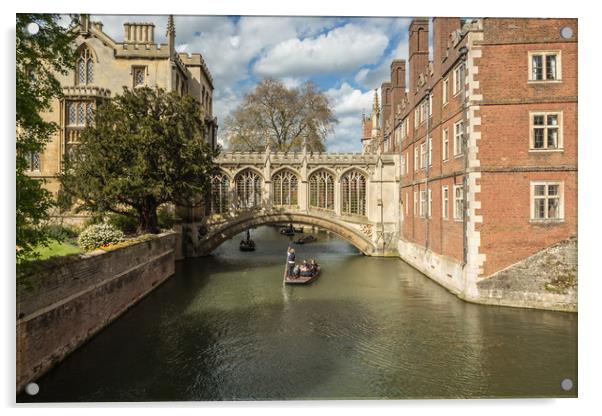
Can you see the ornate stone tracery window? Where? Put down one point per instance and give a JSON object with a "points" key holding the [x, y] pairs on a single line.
{"points": [[248, 189], [138, 74], [285, 188], [79, 113], [353, 193], [85, 67], [220, 194], [33, 161], [321, 190]]}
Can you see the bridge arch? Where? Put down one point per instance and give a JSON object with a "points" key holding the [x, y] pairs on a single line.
{"points": [[237, 225]]}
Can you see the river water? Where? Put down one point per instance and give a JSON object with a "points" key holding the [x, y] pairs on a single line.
{"points": [[225, 328]]}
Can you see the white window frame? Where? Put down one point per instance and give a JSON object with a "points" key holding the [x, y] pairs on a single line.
{"points": [[423, 155], [458, 215], [429, 211], [545, 53], [407, 162], [546, 196], [403, 164], [445, 144], [545, 115], [459, 86], [445, 94], [423, 203], [416, 117], [416, 158], [445, 202], [430, 150], [458, 132], [430, 103], [415, 203], [407, 202]]}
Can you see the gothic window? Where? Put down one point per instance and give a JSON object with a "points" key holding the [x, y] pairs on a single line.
{"points": [[353, 193], [71, 113], [33, 161], [220, 199], [89, 114], [248, 189], [138, 74], [321, 190], [79, 113], [284, 185], [81, 108], [85, 67]]}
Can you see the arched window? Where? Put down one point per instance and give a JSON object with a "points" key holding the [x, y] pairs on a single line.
{"points": [[284, 186], [220, 198], [84, 67], [321, 190], [353, 193], [248, 189]]}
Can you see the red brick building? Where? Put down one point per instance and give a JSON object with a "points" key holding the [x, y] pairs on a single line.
{"points": [[486, 132]]}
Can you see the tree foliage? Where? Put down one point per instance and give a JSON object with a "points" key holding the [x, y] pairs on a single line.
{"points": [[145, 149], [39, 57], [281, 117]]}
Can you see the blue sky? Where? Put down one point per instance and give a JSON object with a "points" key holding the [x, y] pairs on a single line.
{"points": [[346, 57]]}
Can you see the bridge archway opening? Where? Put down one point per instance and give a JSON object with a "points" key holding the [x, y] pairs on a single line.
{"points": [[229, 230]]}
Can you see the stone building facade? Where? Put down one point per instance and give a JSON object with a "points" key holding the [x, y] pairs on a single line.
{"points": [[103, 68], [486, 136]]}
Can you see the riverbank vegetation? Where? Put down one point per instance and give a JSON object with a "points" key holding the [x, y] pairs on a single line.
{"points": [[147, 148], [39, 56]]}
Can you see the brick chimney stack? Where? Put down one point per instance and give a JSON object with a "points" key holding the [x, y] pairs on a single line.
{"points": [[442, 28], [398, 89], [385, 97], [418, 50]]}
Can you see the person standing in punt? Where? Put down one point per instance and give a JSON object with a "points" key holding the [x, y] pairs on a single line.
{"points": [[290, 259]]}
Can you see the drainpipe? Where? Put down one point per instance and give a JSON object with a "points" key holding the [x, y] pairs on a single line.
{"points": [[427, 141], [463, 51]]}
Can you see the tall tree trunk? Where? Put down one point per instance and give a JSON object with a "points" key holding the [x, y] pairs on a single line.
{"points": [[147, 222]]}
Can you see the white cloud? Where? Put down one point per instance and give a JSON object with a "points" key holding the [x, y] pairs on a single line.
{"points": [[374, 77], [347, 100], [292, 82], [292, 49], [348, 105], [340, 50]]}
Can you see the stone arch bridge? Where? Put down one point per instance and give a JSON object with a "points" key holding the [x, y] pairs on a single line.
{"points": [[355, 196]]}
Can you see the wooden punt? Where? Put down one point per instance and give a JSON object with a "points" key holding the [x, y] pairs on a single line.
{"points": [[302, 280], [247, 245]]}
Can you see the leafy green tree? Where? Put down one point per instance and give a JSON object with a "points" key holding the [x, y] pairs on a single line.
{"points": [[146, 148], [39, 57], [284, 118]]}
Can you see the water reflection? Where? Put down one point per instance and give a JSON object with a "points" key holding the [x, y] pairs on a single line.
{"points": [[226, 328]]}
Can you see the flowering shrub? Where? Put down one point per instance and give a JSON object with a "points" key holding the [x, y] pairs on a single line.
{"points": [[97, 235]]}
